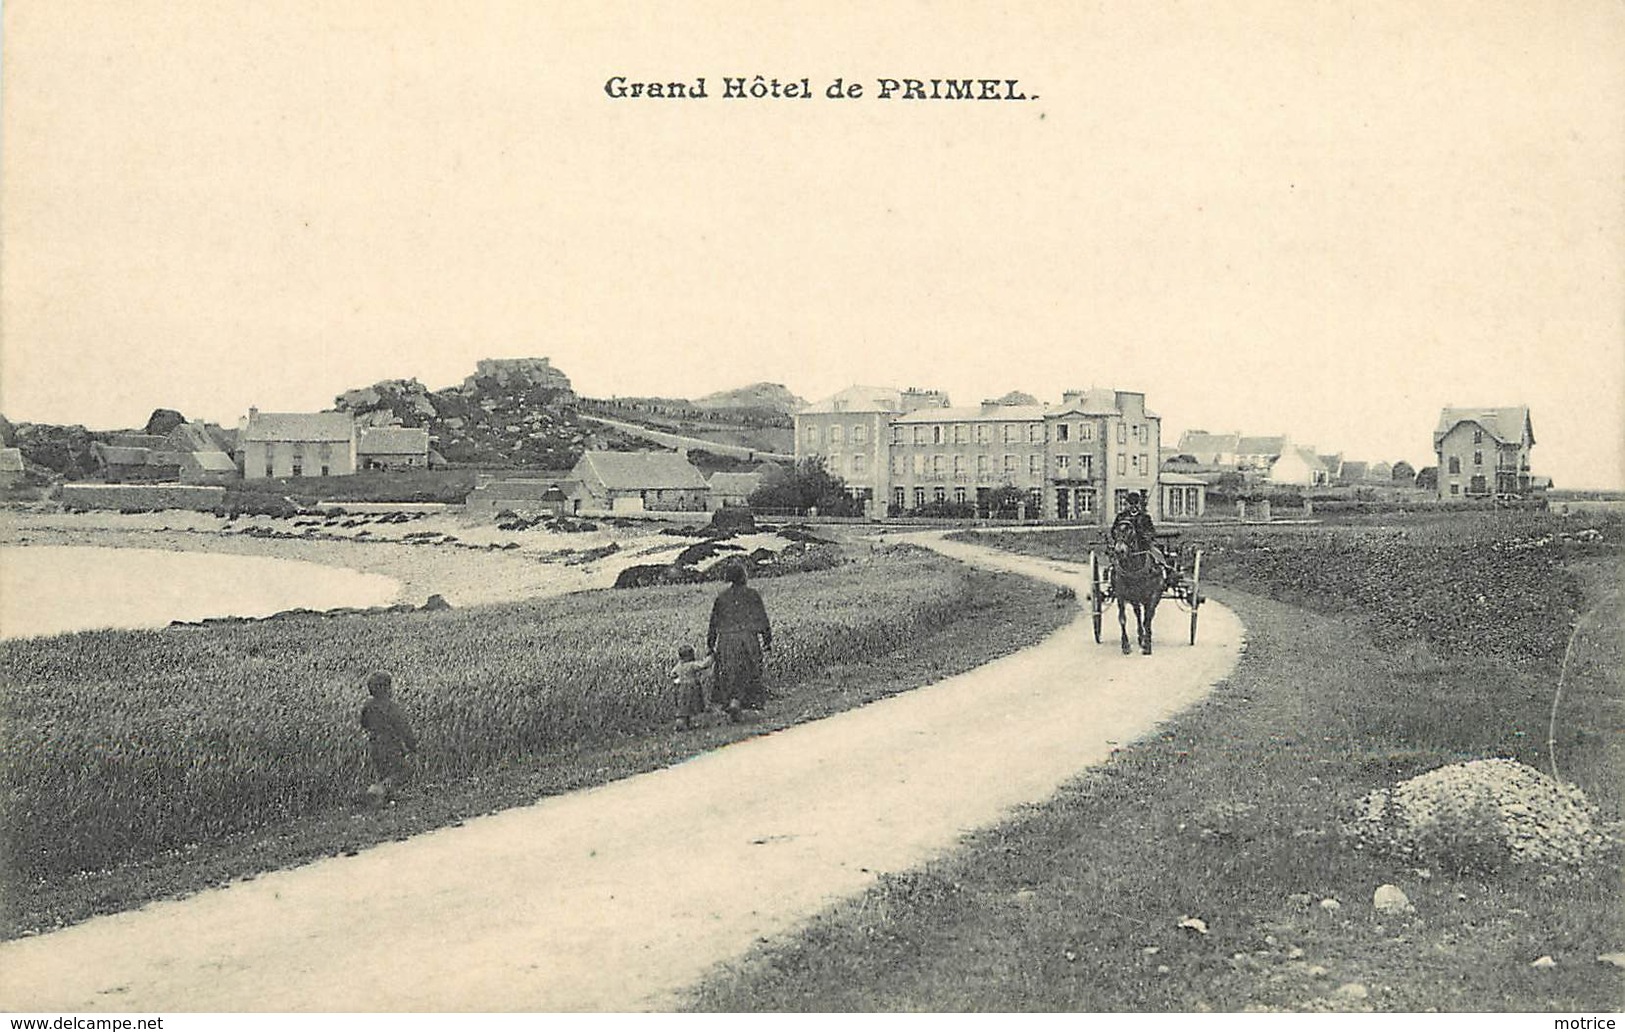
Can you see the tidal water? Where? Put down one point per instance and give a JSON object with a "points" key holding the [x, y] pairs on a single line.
{"points": [[51, 589]]}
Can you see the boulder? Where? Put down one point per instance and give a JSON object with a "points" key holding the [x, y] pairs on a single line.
{"points": [[1391, 899]]}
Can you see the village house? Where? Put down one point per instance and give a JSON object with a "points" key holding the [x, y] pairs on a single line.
{"points": [[732, 490], [392, 448], [1272, 459], [629, 482], [1297, 466], [296, 444], [1484, 452], [547, 496], [1211, 451]]}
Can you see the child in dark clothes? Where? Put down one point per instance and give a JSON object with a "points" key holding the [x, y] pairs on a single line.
{"points": [[689, 677], [389, 738]]}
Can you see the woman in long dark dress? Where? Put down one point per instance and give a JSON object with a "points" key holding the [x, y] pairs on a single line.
{"points": [[738, 635]]}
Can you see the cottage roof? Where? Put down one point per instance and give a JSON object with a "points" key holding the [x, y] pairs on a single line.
{"points": [[1507, 425], [139, 441], [1180, 479], [299, 426], [735, 483], [858, 398], [1263, 446], [1200, 442], [636, 471], [190, 437], [528, 490], [1354, 470], [212, 461], [115, 455], [393, 440], [11, 460]]}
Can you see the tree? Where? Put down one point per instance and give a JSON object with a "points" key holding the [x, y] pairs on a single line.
{"points": [[1403, 473], [809, 485], [1006, 501], [1427, 478]]}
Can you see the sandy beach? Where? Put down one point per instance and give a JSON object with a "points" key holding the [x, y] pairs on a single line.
{"points": [[465, 559]]}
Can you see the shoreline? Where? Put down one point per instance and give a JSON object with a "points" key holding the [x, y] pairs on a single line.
{"points": [[467, 561]]}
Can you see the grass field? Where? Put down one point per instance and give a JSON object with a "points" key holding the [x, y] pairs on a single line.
{"points": [[1385, 651], [142, 764]]}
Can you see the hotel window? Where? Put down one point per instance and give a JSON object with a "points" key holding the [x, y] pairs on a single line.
{"points": [[897, 438], [936, 435], [1122, 464], [919, 435], [959, 467], [1035, 465], [1061, 431], [1086, 502], [1086, 466], [1035, 433], [981, 433], [1455, 464], [959, 433], [936, 465], [1122, 433], [1145, 464], [1009, 465], [1086, 431], [919, 497], [959, 495], [1144, 430], [1455, 489], [981, 467], [812, 436], [919, 464], [860, 463], [897, 464], [899, 497], [1478, 458], [835, 434], [860, 434], [939, 494], [1061, 464]]}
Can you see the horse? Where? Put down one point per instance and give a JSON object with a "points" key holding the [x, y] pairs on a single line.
{"points": [[1137, 580]]}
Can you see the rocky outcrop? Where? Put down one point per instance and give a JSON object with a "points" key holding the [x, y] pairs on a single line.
{"points": [[162, 421], [66, 451], [511, 412], [774, 397]]}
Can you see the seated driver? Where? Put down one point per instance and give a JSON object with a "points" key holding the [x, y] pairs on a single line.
{"points": [[1135, 516]]}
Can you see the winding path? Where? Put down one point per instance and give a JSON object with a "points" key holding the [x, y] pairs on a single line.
{"points": [[618, 897]]}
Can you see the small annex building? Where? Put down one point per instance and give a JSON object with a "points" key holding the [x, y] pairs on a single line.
{"points": [[642, 481]]}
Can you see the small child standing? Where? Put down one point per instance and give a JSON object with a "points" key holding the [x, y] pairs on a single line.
{"points": [[689, 677], [389, 738]]}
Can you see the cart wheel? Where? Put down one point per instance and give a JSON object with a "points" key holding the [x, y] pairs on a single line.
{"points": [[1096, 597], [1196, 592]]}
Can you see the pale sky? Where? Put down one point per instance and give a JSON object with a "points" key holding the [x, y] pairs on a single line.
{"points": [[1323, 219]]}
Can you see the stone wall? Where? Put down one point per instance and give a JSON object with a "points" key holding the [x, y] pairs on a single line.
{"points": [[142, 497]]}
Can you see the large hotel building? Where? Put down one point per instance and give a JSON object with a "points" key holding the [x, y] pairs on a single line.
{"points": [[903, 450]]}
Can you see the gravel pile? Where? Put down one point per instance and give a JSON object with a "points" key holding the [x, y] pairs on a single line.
{"points": [[1483, 815]]}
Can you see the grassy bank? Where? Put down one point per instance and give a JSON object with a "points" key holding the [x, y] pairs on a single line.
{"points": [[1233, 814], [140, 765]]}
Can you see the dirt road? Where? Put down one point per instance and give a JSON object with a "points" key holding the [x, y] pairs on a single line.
{"points": [[618, 897]]}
